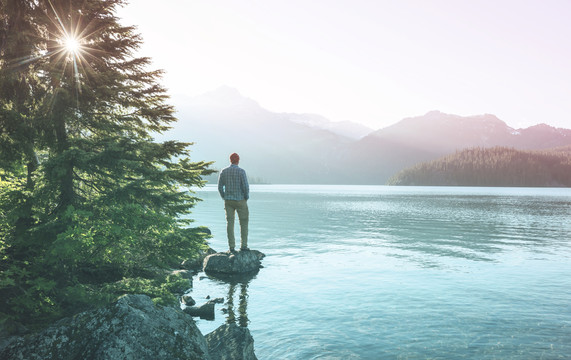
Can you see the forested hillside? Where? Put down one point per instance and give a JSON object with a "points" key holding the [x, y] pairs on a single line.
{"points": [[497, 166]]}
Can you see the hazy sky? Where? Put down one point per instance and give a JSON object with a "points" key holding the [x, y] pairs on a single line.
{"points": [[369, 61]]}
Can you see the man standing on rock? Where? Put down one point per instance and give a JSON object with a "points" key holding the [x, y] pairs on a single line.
{"points": [[234, 189]]}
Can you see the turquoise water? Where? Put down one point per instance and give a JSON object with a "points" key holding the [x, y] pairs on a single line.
{"points": [[374, 272]]}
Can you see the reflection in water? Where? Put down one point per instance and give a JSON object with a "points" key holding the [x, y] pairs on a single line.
{"points": [[242, 304], [237, 291]]}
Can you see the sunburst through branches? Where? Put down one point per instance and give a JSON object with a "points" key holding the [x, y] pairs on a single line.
{"points": [[72, 45], [71, 39]]}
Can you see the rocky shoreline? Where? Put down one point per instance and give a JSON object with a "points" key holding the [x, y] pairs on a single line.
{"points": [[134, 328]]}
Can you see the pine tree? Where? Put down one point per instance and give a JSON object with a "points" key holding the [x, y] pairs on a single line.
{"points": [[91, 207]]}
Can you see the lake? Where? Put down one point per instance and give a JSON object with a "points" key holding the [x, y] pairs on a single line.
{"points": [[375, 272]]}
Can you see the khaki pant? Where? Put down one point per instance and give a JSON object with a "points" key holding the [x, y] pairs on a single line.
{"points": [[241, 207]]}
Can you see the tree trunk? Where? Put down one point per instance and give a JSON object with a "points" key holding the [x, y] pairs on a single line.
{"points": [[66, 193]]}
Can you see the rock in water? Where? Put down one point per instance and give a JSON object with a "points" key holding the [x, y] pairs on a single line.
{"points": [[188, 300], [230, 342], [204, 311], [241, 262], [131, 328]]}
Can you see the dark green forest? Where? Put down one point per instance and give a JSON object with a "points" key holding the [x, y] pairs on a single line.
{"points": [[498, 166], [91, 207]]}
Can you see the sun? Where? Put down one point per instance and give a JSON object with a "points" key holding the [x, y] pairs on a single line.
{"points": [[71, 45]]}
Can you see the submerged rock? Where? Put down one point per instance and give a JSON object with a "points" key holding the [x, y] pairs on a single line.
{"points": [[230, 342], [238, 262], [204, 311], [188, 300]]}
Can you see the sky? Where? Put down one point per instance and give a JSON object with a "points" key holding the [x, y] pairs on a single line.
{"points": [[373, 62]]}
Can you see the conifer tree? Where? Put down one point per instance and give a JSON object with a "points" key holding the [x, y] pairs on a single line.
{"points": [[90, 206]]}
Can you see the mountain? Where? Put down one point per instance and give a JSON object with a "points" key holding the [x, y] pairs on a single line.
{"points": [[418, 139], [541, 136], [440, 132], [344, 128], [497, 166], [273, 148], [307, 148]]}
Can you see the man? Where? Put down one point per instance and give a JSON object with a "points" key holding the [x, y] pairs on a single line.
{"points": [[234, 189]]}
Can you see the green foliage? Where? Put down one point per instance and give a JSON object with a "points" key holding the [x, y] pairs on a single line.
{"points": [[161, 290], [90, 206], [497, 166]]}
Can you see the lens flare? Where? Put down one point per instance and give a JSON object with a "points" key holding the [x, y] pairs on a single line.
{"points": [[71, 45]]}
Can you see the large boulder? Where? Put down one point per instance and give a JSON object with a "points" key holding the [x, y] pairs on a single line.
{"points": [[131, 328], [230, 342], [238, 262]]}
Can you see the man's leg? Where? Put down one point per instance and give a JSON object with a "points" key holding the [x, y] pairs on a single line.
{"points": [[230, 213], [243, 216]]}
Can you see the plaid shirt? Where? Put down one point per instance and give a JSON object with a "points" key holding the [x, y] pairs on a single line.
{"points": [[233, 184]]}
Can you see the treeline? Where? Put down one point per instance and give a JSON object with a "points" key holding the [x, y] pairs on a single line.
{"points": [[498, 166], [212, 179]]}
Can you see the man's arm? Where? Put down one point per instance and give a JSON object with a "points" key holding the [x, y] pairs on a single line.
{"points": [[221, 184], [246, 186]]}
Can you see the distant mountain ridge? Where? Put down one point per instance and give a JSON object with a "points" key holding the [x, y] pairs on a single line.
{"points": [[344, 128], [437, 131], [272, 147], [307, 148], [423, 138]]}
